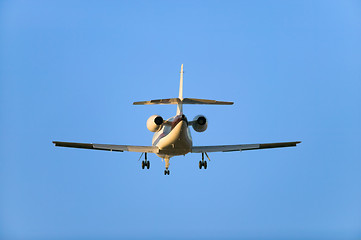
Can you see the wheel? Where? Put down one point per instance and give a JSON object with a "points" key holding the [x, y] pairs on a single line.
{"points": [[165, 172], [148, 164], [168, 172], [205, 164], [143, 164], [200, 164]]}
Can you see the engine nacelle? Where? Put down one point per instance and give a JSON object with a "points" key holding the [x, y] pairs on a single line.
{"points": [[199, 123], [154, 123]]}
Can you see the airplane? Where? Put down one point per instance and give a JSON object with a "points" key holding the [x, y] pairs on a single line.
{"points": [[172, 137]]}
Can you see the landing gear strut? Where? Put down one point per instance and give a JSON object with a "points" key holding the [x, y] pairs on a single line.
{"points": [[166, 171], [203, 163], [145, 163]]}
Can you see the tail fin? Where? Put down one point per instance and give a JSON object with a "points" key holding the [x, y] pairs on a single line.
{"points": [[180, 104], [180, 100], [181, 84]]}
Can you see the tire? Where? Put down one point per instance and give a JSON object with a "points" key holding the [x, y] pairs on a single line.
{"points": [[165, 172], [148, 165], [205, 164], [143, 165], [200, 164]]}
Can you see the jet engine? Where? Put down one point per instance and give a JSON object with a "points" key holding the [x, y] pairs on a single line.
{"points": [[154, 123], [199, 123]]}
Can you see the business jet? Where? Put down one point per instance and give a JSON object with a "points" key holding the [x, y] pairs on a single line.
{"points": [[172, 137]]}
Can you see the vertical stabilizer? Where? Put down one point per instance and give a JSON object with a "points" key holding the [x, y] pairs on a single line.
{"points": [[180, 104], [181, 84], [180, 100]]}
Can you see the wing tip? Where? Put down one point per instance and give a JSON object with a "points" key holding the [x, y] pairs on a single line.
{"points": [[138, 103]]}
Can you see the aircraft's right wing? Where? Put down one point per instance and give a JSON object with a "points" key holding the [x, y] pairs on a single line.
{"points": [[108, 147], [242, 147]]}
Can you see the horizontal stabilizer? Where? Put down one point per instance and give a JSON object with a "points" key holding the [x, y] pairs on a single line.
{"points": [[184, 101], [204, 101], [159, 101]]}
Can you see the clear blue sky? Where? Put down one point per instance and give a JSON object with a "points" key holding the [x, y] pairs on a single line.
{"points": [[69, 71]]}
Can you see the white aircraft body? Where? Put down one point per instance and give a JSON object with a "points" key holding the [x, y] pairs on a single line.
{"points": [[172, 137]]}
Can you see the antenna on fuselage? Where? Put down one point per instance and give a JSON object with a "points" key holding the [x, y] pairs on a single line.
{"points": [[180, 103]]}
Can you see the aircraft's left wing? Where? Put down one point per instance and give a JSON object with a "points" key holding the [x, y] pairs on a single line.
{"points": [[241, 147], [108, 147]]}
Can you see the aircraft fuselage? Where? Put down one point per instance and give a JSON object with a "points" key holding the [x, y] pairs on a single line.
{"points": [[174, 138]]}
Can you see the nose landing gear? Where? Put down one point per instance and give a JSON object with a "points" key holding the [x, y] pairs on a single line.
{"points": [[166, 171]]}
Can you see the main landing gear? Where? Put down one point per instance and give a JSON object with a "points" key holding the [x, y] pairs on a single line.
{"points": [[203, 163], [166, 172], [145, 163]]}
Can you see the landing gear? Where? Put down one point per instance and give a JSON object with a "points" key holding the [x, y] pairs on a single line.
{"points": [[166, 171], [202, 163], [145, 163]]}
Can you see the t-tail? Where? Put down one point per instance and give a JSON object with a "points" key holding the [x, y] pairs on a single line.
{"points": [[180, 100]]}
